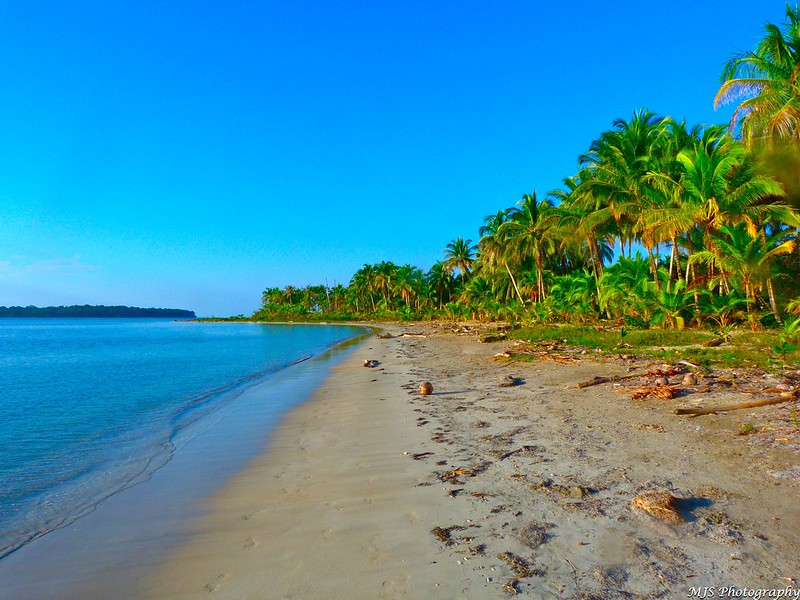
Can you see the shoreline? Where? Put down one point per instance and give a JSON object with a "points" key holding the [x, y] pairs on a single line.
{"points": [[370, 490], [125, 536]]}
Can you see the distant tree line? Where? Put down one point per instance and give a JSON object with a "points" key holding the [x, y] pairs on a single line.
{"points": [[87, 311]]}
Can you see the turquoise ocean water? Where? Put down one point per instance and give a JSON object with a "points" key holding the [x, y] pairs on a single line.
{"points": [[89, 407]]}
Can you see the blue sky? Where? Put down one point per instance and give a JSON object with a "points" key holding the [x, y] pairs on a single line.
{"points": [[192, 154]]}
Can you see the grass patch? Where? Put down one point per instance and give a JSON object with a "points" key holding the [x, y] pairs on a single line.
{"points": [[744, 349]]}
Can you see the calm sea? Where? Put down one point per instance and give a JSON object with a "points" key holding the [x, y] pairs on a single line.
{"points": [[89, 407]]}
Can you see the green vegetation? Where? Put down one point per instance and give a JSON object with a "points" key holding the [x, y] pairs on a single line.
{"points": [[666, 227], [87, 311]]}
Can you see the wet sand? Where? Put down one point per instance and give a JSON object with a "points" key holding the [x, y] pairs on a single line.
{"points": [[370, 490]]}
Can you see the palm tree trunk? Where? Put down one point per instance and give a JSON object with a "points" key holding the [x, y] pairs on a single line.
{"points": [[514, 283], [654, 267], [677, 257], [773, 303]]}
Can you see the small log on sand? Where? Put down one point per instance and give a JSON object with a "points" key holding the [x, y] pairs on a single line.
{"points": [[600, 380], [660, 504], [696, 412]]}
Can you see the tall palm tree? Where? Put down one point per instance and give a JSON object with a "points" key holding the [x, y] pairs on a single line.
{"points": [[575, 205], [440, 282], [767, 79], [531, 233], [493, 248], [619, 163], [408, 284], [363, 286], [459, 254]]}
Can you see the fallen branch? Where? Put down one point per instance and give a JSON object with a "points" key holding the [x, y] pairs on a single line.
{"points": [[599, 380], [696, 412]]}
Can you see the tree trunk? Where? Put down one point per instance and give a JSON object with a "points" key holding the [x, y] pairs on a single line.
{"points": [[654, 267], [677, 257], [773, 303], [514, 283]]}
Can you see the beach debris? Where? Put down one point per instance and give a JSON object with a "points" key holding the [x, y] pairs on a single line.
{"points": [[453, 475], [512, 587], [686, 363], [503, 354], [664, 371], [662, 392], [443, 534], [526, 449], [479, 549], [520, 566], [689, 379], [426, 388], [561, 360], [572, 491], [421, 455], [497, 337], [534, 535], [371, 363], [508, 381], [384, 335], [600, 380], [696, 412], [714, 343], [413, 335], [660, 504], [649, 426]]}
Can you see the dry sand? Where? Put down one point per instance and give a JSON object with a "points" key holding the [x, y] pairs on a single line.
{"points": [[370, 490]]}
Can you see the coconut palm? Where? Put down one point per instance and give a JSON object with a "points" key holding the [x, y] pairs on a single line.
{"points": [[441, 282], [619, 162], [531, 233], [766, 82], [494, 250], [576, 204], [459, 254], [748, 259]]}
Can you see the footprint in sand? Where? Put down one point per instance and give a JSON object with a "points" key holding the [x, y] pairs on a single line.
{"points": [[215, 582], [249, 544]]}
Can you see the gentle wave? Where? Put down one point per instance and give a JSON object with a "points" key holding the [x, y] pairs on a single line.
{"points": [[66, 480]]}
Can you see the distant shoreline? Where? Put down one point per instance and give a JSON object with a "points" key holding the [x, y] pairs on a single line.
{"points": [[96, 311]]}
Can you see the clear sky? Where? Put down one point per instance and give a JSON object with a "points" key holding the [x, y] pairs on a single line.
{"points": [[191, 154]]}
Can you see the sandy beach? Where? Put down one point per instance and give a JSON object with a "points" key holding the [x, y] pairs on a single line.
{"points": [[370, 490]]}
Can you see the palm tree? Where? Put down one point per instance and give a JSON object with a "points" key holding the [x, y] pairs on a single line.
{"points": [[619, 163], [576, 204], [493, 248], [408, 284], [748, 258], [530, 233], [440, 282], [459, 254], [363, 286], [767, 79]]}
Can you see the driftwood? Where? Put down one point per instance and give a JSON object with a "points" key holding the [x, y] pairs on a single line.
{"points": [[600, 380], [696, 412]]}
